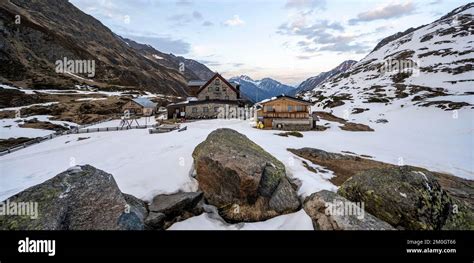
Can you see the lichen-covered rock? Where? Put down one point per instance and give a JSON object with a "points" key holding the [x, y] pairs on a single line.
{"points": [[244, 181], [407, 198], [284, 198], [81, 198], [166, 209], [330, 211], [174, 204], [155, 221], [461, 217]]}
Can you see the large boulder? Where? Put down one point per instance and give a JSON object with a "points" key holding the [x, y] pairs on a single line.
{"points": [[81, 198], [244, 181], [407, 198], [330, 211]]}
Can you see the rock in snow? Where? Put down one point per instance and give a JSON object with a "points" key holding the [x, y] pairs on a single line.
{"points": [[353, 218], [81, 198], [243, 180], [423, 205], [174, 204], [168, 209]]}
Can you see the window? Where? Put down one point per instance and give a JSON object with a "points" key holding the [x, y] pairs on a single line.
{"points": [[205, 109], [224, 88], [216, 109], [217, 82], [217, 88], [269, 108], [299, 108], [195, 110], [207, 97], [290, 108], [226, 97]]}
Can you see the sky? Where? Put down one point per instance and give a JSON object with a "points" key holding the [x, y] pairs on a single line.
{"points": [[288, 40]]}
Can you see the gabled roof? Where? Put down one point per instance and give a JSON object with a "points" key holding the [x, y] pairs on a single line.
{"points": [[144, 102], [217, 75], [283, 96]]}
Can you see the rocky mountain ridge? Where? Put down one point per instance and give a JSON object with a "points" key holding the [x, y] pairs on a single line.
{"points": [[257, 90], [35, 35]]}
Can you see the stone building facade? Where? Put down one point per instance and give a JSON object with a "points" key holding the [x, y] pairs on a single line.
{"points": [[218, 90], [211, 110], [215, 98]]}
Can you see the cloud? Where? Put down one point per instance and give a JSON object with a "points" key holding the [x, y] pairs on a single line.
{"points": [[184, 2], [383, 28], [323, 35], [180, 18], [304, 57], [185, 19], [234, 21], [215, 63], [387, 12], [197, 15], [346, 47], [163, 43], [305, 4], [297, 28], [435, 2], [207, 23], [210, 63]]}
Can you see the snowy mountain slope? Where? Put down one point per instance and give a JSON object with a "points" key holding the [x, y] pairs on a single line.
{"points": [[424, 65], [257, 90], [312, 82]]}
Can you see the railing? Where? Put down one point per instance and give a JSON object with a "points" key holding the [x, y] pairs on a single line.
{"points": [[106, 129], [295, 114], [29, 143], [75, 130]]}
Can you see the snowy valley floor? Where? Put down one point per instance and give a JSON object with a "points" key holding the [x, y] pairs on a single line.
{"points": [[145, 165]]}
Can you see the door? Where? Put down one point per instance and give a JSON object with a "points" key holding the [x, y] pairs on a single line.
{"points": [[267, 122]]}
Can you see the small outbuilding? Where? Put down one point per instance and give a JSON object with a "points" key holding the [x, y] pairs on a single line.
{"points": [[140, 106]]}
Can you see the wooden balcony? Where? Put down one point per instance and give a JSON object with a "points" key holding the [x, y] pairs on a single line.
{"points": [[291, 115]]}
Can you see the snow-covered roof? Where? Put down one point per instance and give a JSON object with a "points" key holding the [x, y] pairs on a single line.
{"points": [[145, 102], [282, 96]]}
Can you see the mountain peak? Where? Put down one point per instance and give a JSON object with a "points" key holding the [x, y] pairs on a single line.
{"points": [[245, 77], [270, 80], [257, 90]]}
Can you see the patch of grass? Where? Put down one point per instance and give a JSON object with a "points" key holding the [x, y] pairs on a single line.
{"points": [[350, 126], [345, 166], [7, 143], [291, 133]]}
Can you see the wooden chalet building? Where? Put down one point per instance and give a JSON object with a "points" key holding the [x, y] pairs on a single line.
{"points": [[210, 98], [285, 113]]}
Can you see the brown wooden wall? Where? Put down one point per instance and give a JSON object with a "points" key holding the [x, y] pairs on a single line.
{"points": [[280, 109]]}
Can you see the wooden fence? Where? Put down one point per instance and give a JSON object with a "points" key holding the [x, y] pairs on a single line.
{"points": [[75, 130]]}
